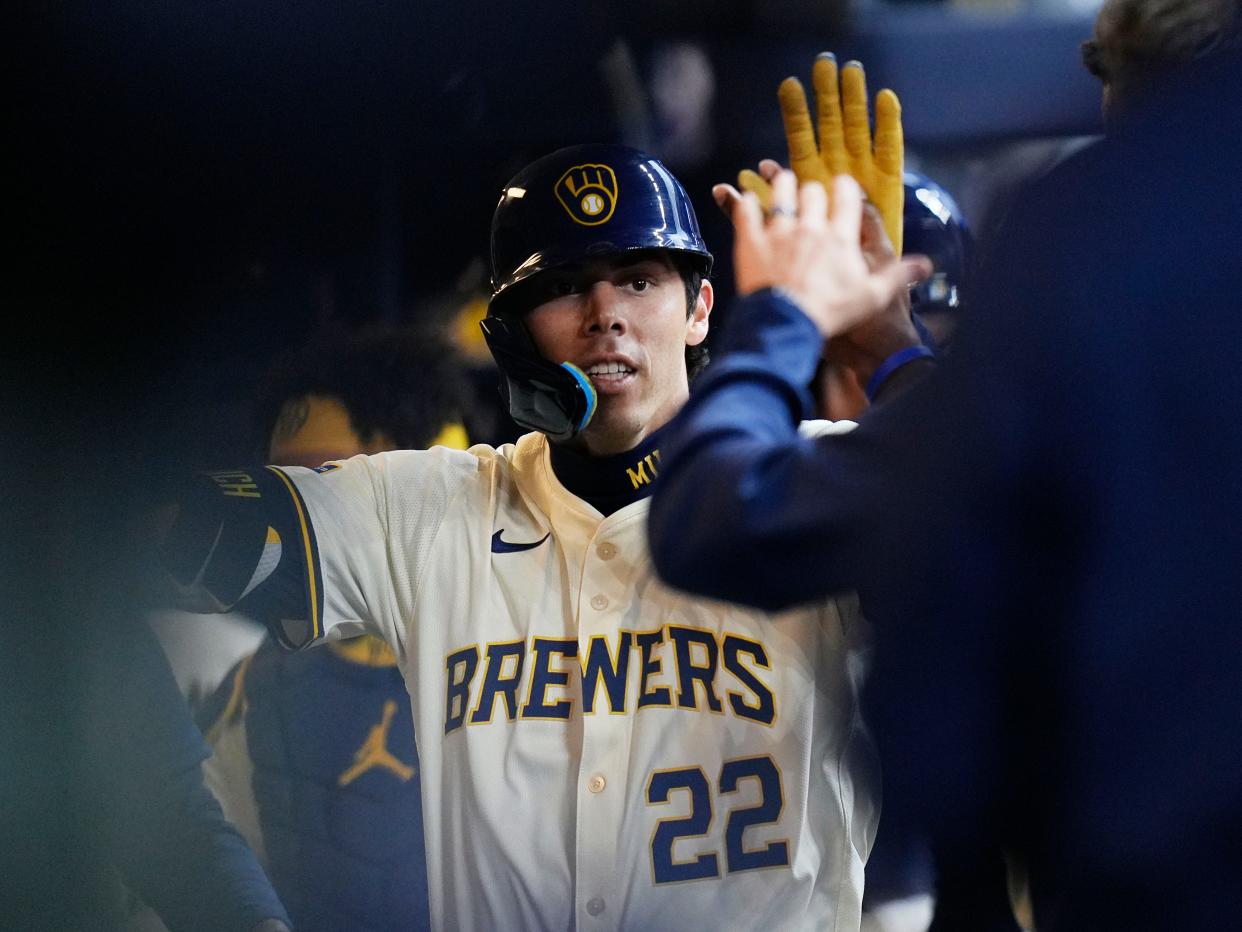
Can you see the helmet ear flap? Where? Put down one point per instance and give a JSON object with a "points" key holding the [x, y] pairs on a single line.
{"points": [[557, 400]]}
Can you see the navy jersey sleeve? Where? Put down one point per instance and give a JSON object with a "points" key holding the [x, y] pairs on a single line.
{"points": [[746, 509]]}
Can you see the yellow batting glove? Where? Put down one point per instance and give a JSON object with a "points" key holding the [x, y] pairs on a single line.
{"points": [[887, 190], [804, 154], [748, 180], [844, 143]]}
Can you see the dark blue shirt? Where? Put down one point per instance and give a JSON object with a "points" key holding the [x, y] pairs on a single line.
{"points": [[1046, 537], [156, 821]]}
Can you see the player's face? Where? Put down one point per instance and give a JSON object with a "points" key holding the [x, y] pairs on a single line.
{"points": [[623, 321]]}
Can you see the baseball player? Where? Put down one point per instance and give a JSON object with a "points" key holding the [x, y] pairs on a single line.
{"points": [[597, 749]]}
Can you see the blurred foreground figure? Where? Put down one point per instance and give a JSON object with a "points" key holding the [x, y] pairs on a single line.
{"points": [[1061, 669], [149, 811]]}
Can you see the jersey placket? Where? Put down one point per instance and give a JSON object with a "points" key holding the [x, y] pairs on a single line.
{"points": [[602, 774]]}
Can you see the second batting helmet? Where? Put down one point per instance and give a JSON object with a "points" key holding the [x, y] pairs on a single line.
{"points": [[936, 227]]}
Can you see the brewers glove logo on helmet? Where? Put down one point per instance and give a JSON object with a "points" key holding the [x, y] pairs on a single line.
{"points": [[588, 193]]}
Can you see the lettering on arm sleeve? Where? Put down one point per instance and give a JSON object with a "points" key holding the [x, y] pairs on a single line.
{"points": [[291, 600]]}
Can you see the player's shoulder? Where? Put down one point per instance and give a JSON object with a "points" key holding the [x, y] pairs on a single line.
{"points": [[409, 485], [402, 467], [479, 456], [822, 428]]}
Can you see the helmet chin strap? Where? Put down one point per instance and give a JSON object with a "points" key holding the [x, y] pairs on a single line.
{"points": [[557, 400]]}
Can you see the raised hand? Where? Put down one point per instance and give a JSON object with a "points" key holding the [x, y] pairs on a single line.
{"points": [[842, 142], [812, 252]]}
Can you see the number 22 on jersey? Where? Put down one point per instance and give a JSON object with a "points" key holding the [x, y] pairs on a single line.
{"points": [[693, 781]]}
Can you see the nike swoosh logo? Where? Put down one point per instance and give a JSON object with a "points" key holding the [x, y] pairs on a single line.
{"points": [[500, 545]]}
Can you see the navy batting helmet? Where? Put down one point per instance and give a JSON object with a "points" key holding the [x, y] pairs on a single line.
{"points": [[936, 227], [578, 203]]}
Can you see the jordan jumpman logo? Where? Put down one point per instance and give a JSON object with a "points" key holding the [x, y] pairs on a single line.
{"points": [[374, 752]]}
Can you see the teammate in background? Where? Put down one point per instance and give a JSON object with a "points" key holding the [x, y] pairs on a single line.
{"points": [[1072, 471], [314, 754], [1140, 43], [590, 740], [378, 389]]}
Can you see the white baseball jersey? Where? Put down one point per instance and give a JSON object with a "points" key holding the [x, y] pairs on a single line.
{"points": [[598, 751]]}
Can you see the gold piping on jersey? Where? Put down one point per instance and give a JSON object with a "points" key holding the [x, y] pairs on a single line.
{"points": [[235, 708], [304, 527], [366, 651]]}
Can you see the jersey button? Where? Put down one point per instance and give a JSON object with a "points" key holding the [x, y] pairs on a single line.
{"points": [[606, 551], [597, 783], [599, 602], [595, 905]]}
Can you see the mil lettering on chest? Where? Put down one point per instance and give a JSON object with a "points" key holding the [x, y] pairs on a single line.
{"points": [[645, 470]]}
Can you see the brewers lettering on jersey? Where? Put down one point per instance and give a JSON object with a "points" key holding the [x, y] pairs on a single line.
{"points": [[597, 750]]}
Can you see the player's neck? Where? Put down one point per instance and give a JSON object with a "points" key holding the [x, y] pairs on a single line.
{"points": [[609, 483], [604, 445]]}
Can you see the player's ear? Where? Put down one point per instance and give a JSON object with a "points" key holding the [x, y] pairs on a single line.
{"points": [[696, 325]]}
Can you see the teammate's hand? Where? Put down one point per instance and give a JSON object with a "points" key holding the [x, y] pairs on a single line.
{"points": [[852, 358], [812, 252], [845, 144]]}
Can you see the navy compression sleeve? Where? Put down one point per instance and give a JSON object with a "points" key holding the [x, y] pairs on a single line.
{"points": [[245, 534]]}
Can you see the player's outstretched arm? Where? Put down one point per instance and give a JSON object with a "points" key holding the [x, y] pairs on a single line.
{"points": [[244, 534], [746, 508]]}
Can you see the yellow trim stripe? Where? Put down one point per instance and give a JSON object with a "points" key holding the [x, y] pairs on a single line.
{"points": [[366, 650], [236, 705], [316, 633]]}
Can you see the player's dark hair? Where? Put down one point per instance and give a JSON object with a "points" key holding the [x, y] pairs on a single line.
{"points": [[402, 383], [697, 357]]}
